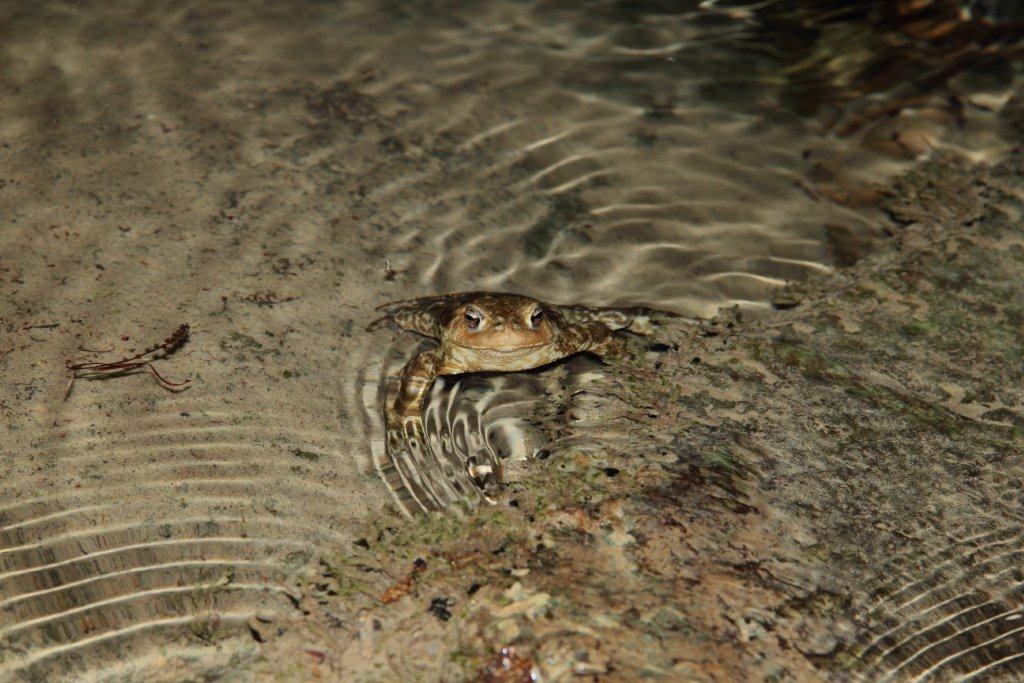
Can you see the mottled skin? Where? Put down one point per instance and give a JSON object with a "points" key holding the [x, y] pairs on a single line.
{"points": [[488, 331]]}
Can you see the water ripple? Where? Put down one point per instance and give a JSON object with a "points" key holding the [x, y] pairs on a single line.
{"points": [[269, 176]]}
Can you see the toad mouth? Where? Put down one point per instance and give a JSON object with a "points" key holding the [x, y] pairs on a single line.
{"points": [[500, 349]]}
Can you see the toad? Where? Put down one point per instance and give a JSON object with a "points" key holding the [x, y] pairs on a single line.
{"points": [[490, 331]]}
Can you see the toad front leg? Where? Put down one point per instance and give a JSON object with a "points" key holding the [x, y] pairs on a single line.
{"points": [[594, 337], [417, 377], [636, 319]]}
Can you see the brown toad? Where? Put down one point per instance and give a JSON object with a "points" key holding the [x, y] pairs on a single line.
{"points": [[492, 331]]}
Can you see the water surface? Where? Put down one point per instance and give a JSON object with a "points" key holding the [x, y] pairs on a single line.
{"points": [[270, 174]]}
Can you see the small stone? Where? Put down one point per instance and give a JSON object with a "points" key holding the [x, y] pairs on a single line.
{"points": [[439, 608]]}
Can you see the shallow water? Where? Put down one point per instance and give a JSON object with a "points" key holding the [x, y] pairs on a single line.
{"points": [[270, 175]]}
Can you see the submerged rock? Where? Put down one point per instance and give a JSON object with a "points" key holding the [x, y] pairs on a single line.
{"points": [[834, 489]]}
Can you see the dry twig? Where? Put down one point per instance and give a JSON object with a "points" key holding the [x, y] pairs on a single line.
{"points": [[143, 360]]}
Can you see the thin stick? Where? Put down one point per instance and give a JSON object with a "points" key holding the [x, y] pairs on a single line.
{"points": [[99, 370]]}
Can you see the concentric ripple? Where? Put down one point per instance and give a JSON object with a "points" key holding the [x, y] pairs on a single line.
{"points": [[473, 427], [955, 613], [270, 173]]}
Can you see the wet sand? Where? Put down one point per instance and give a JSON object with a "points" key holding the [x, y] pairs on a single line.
{"points": [[268, 176]]}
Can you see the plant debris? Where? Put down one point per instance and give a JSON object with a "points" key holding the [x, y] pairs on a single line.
{"points": [[125, 366], [403, 587], [267, 299]]}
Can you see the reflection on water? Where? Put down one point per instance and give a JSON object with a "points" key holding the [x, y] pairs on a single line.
{"points": [[659, 159], [473, 427], [248, 170], [670, 154]]}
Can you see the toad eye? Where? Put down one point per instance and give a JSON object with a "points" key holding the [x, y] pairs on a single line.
{"points": [[536, 317], [472, 319]]}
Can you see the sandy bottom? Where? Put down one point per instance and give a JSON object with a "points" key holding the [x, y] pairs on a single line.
{"points": [[267, 176]]}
